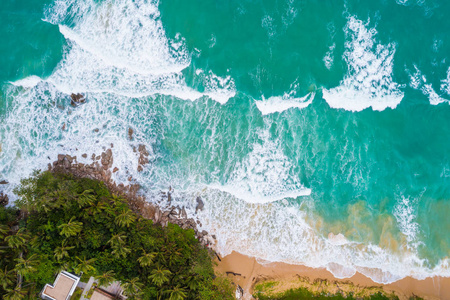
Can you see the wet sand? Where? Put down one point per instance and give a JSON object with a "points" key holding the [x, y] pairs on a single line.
{"points": [[247, 272]]}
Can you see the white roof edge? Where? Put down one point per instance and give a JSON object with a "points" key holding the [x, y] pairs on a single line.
{"points": [[75, 278]]}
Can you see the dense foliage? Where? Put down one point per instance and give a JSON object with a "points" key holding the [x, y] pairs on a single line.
{"points": [[77, 224], [303, 293]]}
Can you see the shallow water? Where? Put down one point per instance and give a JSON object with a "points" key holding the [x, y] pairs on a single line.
{"points": [[315, 133]]}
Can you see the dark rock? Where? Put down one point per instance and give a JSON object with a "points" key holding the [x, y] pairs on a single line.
{"points": [[169, 197], [66, 163], [214, 236], [130, 133], [183, 213], [77, 99], [115, 169], [140, 169], [239, 292], [200, 204], [84, 155], [96, 130], [3, 182], [64, 126], [3, 199], [143, 150], [61, 157]]}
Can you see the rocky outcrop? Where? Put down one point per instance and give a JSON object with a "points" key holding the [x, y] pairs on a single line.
{"points": [[77, 99], [100, 169], [3, 199], [200, 204], [143, 156]]}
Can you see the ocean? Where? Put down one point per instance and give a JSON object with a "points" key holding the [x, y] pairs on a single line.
{"points": [[315, 132]]}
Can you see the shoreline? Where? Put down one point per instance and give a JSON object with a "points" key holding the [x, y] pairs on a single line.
{"points": [[242, 270], [246, 272]]}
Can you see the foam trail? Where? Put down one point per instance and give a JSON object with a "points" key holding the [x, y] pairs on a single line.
{"points": [[264, 175], [27, 82], [121, 47], [418, 81], [369, 80], [279, 104], [406, 214], [278, 231]]}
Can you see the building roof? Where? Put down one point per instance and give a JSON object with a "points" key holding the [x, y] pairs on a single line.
{"points": [[101, 295], [63, 287]]}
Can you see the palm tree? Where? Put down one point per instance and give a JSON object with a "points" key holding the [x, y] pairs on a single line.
{"points": [[85, 265], [192, 282], [15, 294], [106, 278], [70, 228], [177, 293], [133, 287], [125, 218], [87, 198], [61, 252], [97, 208], [146, 259], [26, 266], [120, 251], [117, 240], [159, 276], [4, 229], [17, 240], [7, 277]]}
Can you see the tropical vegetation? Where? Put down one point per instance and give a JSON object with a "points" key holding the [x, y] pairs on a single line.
{"points": [[61, 222]]}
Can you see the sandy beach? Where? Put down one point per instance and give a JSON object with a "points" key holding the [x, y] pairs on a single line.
{"points": [[247, 271]]}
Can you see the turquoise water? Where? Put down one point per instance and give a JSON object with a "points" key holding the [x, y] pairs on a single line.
{"points": [[316, 133]]}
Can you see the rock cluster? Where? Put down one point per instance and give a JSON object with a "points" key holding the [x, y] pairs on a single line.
{"points": [[3, 199], [100, 169], [77, 99], [143, 156]]}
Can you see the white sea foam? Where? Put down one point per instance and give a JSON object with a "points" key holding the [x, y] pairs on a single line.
{"points": [[278, 232], [406, 214], [328, 59], [27, 82], [265, 175], [121, 47], [278, 104], [369, 80], [242, 212], [418, 81]]}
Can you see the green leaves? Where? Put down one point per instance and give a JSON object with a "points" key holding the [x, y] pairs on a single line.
{"points": [[4, 229], [7, 277], [71, 228], [78, 224], [106, 278], [15, 294], [159, 276], [85, 265], [133, 287], [61, 251], [146, 259], [125, 218], [26, 266], [17, 240], [177, 293], [86, 198]]}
